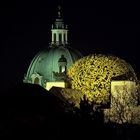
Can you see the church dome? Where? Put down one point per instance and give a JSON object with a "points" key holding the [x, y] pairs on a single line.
{"points": [[46, 62], [52, 64]]}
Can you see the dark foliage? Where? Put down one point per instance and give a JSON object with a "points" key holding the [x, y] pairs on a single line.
{"points": [[29, 110]]}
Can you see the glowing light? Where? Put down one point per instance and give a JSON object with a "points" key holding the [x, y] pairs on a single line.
{"points": [[49, 85], [92, 75]]}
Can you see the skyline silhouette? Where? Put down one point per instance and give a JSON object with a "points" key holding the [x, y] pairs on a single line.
{"points": [[107, 28]]}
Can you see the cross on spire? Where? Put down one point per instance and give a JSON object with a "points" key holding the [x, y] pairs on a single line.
{"points": [[59, 11]]}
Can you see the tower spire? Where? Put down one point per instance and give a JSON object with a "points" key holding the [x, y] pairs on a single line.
{"points": [[59, 31], [59, 11]]}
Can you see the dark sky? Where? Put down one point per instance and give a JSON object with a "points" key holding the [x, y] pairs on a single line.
{"points": [[102, 27]]}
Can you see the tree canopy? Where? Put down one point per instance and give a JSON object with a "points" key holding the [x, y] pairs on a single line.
{"points": [[92, 75]]}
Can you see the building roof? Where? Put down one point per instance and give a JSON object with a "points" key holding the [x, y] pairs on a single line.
{"points": [[46, 62]]}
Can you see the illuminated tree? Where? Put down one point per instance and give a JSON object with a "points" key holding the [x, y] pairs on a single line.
{"points": [[73, 96], [92, 75], [124, 107]]}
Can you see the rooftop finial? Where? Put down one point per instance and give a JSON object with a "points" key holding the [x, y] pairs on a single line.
{"points": [[59, 11]]}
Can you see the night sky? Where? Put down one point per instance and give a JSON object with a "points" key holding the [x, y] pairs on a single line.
{"points": [[110, 28]]}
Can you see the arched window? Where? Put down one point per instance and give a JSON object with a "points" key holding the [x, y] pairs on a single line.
{"points": [[65, 69], [36, 80], [60, 37], [62, 63], [54, 37], [60, 69], [64, 37]]}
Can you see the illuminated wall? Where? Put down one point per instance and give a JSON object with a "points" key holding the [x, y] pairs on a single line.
{"points": [[49, 85]]}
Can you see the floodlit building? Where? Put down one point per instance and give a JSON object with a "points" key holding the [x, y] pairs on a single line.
{"points": [[48, 68]]}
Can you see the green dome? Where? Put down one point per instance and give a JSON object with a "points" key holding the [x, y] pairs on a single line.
{"points": [[52, 64], [46, 62]]}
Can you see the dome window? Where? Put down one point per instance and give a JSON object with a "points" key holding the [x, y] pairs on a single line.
{"points": [[62, 63], [36, 78]]}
